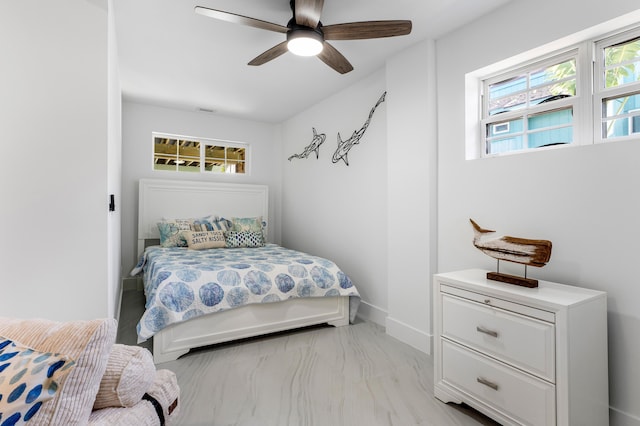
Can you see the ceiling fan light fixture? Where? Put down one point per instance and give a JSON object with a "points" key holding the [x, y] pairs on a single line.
{"points": [[303, 42], [306, 34]]}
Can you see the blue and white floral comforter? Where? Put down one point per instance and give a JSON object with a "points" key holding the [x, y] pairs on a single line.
{"points": [[181, 284]]}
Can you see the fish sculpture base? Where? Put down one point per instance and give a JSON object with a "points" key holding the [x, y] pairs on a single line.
{"points": [[512, 279]]}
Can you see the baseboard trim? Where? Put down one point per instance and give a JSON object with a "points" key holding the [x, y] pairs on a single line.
{"points": [[409, 335], [372, 313], [620, 418]]}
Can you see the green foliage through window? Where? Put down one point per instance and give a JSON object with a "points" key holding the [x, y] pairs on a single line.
{"points": [[539, 104]]}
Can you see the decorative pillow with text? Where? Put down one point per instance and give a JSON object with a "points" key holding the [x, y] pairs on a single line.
{"points": [[204, 240], [171, 229]]}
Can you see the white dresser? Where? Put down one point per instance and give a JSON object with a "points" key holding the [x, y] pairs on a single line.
{"points": [[522, 356]]}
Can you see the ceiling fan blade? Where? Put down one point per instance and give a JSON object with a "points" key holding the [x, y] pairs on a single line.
{"points": [[366, 30], [270, 54], [334, 59], [307, 12], [239, 19]]}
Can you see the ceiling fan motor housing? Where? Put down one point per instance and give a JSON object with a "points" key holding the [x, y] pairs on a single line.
{"points": [[309, 39]]}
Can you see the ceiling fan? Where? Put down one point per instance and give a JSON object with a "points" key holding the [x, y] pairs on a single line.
{"points": [[306, 36]]}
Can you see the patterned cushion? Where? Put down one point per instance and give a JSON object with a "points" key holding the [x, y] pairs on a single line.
{"points": [[208, 223], [86, 342], [129, 374], [247, 224], [28, 378], [236, 239], [171, 229], [204, 240], [170, 235]]}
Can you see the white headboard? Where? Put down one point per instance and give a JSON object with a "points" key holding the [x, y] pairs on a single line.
{"points": [[172, 199]]}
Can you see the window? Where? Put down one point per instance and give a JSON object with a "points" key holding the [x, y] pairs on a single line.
{"points": [[500, 128], [617, 88], [198, 155], [176, 154], [530, 107], [224, 159], [586, 93]]}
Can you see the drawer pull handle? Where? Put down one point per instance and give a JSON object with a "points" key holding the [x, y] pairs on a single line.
{"points": [[491, 333], [487, 383]]}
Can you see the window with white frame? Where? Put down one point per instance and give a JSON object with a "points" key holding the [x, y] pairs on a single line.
{"points": [[531, 106], [584, 94], [198, 155], [617, 86]]}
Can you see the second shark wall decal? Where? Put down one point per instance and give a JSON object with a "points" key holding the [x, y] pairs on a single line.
{"points": [[343, 146]]}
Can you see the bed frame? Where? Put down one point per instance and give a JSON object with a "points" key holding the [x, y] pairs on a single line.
{"points": [[181, 199]]}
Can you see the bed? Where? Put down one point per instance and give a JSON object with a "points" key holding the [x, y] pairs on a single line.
{"points": [[270, 308]]}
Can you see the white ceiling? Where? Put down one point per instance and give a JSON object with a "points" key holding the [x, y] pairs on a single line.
{"points": [[170, 56]]}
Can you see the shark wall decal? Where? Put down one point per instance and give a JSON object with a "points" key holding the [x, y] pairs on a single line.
{"points": [[314, 146], [345, 146]]}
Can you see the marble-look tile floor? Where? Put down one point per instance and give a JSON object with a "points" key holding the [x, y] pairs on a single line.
{"points": [[321, 376]]}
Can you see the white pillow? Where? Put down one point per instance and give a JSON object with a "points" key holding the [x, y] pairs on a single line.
{"points": [[129, 374]]}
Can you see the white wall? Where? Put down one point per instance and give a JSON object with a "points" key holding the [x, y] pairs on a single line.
{"points": [[412, 167], [376, 217], [140, 120], [339, 211], [53, 180], [114, 167], [583, 199]]}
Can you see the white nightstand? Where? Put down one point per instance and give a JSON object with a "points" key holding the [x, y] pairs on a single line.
{"points": [[522, 356]]}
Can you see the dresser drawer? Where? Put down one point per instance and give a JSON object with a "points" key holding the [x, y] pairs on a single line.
{"points": [[497, 302], [514, 394], [524, 342]]}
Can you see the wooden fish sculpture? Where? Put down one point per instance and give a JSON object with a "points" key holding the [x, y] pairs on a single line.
{"points": [[513, 249]]}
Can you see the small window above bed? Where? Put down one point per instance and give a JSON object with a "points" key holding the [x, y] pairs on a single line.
{"points": [[199, 155]]}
